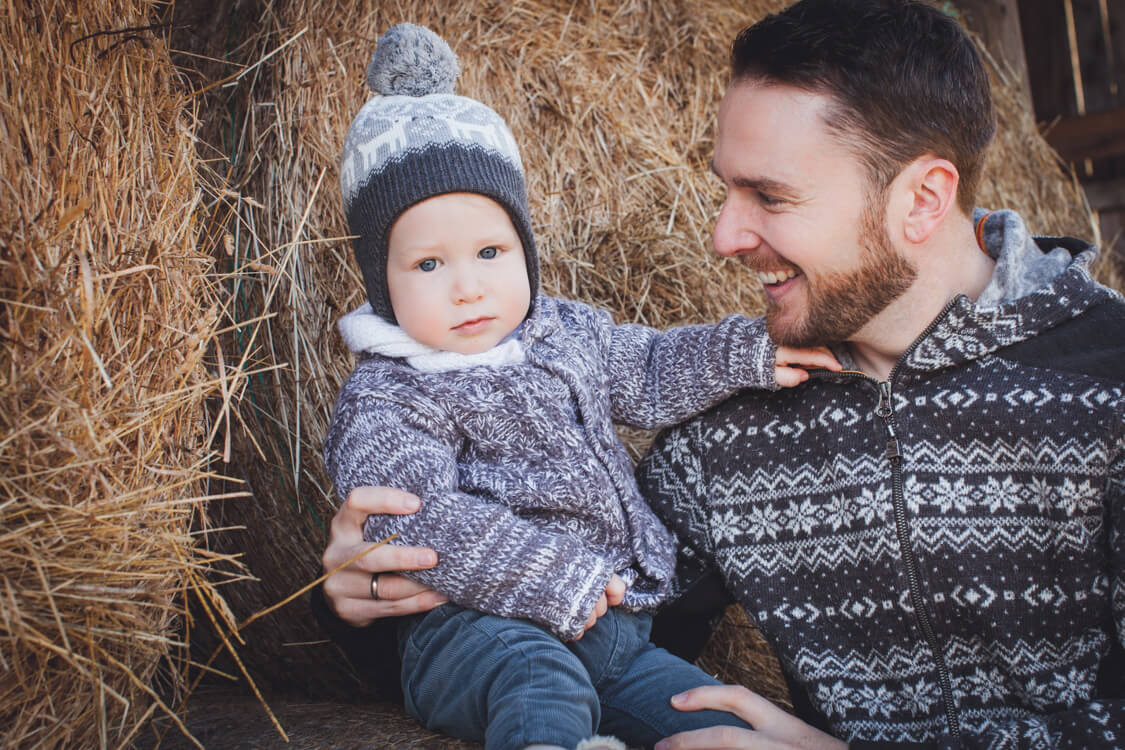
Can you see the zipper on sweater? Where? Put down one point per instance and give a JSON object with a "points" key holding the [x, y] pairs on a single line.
{"points": [[885, 411]]}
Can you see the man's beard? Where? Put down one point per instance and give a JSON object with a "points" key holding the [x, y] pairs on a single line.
{"points": [[841, 303]]}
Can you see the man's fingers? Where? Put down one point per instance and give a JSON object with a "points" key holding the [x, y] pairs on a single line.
{"points": [[819, 356], [731, 698], [356, 584], [714, 738], [347, 524], [392, 587], [423, 601], [362, 612], [379, 559], [774, 728], [392, 557], [367, 501], [788, 377], [735, 699], [349, 594]]}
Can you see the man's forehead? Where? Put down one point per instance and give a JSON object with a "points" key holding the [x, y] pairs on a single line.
{"points": [[765, 129], [796, 102]]}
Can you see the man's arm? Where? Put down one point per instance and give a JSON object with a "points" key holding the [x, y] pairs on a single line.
{"points": [[672, 482], [488, 558]]}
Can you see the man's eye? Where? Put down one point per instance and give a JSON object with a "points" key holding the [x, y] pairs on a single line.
{"points": [[488, 253], [428, 264], [767, 199]]}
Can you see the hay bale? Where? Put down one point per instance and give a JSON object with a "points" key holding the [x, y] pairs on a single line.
{"points": [[613, 106], [105, 325]]}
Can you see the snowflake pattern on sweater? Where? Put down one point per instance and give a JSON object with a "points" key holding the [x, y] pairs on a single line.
{"points": [[527, 493], [936, 559]]}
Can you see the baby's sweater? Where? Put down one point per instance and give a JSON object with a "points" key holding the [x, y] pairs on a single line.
{"points": [[528, 495]]}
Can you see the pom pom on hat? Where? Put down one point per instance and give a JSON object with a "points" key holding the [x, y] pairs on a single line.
{"points": [[411, 60]]}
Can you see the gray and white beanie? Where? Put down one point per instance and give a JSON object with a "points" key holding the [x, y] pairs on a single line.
{"points": [[415, 140]]}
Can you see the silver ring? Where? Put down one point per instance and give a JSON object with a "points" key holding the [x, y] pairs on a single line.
{"points": [[375, 586]]}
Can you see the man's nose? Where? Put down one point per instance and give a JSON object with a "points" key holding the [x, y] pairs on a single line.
{"points": [[735, 231]]}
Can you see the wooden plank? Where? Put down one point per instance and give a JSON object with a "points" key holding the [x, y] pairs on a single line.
{"points": [[1115, 30], [1095, 57], [1093, 136], [997, 22], [1043, 25], [1106, 195], [1111, 223]]}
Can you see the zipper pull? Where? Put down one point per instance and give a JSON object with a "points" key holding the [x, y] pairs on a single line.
{"points": [[884, 407], [892, 447]]}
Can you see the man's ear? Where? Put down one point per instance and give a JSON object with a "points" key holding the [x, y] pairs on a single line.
{"points": [[928, 192]]}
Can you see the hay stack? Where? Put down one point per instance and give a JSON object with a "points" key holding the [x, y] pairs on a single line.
{"points": [[105, 325], [613, 105]]}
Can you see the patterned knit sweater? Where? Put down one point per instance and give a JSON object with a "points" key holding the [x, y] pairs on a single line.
{"points": [[938, 558], [527, 493]]}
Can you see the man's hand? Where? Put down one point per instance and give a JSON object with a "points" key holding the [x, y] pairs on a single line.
{"points": [[774, 729], [790, 363], [348, 592], [613, 595]]}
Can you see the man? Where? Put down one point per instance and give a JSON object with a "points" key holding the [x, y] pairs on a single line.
{"points": [[933, 541]]}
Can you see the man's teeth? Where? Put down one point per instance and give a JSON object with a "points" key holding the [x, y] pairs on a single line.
{"points": [[775, 277]]}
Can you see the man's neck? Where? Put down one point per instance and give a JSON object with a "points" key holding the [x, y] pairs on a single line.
{"points": [[950, 264]]}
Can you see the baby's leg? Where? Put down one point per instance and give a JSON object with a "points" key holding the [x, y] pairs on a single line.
{"points": [[635, 681], [507, 682]]}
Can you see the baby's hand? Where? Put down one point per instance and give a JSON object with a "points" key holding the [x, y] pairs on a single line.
{"points": [[615, 590], [614, 595], [788, 370]]}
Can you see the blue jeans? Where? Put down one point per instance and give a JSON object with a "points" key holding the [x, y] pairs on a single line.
{"points": [[512, 683]]}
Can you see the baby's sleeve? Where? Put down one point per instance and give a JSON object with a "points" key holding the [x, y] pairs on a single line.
{"points": [[661, 378]]}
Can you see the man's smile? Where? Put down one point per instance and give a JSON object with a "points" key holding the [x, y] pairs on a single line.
{"points": [[776, 277]]}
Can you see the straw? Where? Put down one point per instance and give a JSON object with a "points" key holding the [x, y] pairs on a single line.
{"points": [[107, 336]]}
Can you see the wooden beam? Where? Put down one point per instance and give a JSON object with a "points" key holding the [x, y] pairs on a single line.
{"points": [[1105, 195], [1093, 136], [1043, 26], [997, 23]]}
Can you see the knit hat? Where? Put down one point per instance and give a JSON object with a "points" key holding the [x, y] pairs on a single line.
{"points": [[417, 140]]}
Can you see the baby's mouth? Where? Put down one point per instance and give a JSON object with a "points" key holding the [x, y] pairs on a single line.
{"points": [[471, 323]]}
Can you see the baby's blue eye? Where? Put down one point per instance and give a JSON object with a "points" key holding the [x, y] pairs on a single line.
{"points": [[488, 253], [428, 264]]}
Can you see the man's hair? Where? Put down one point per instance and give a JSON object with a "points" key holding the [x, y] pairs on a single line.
{"points": [[903, 77]]}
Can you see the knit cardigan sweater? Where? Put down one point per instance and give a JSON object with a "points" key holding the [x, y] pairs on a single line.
{"points": [[938, 558], [528, 495]]}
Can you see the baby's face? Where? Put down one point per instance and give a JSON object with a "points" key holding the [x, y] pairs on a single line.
{"points": [[456, 273]]}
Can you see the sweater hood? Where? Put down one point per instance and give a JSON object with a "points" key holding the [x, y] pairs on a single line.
{"points": [[1038, 283]]}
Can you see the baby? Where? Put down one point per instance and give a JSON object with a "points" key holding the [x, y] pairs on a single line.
{"points": [[496, 406]]}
